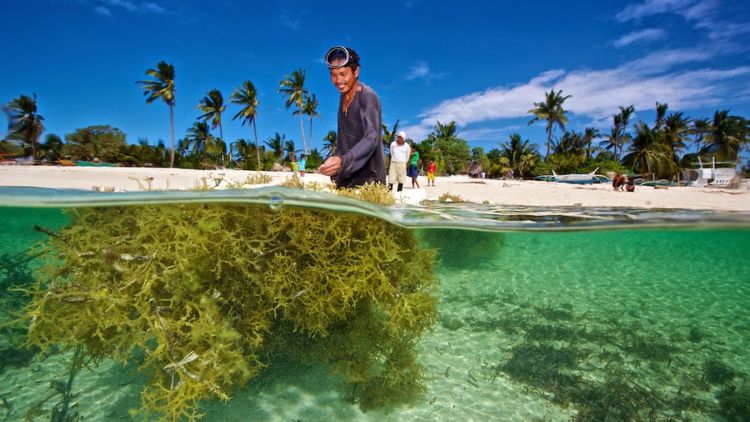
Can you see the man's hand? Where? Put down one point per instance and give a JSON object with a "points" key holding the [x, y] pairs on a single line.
{"points": [[331, 166]]}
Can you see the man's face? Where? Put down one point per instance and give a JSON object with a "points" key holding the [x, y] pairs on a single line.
{"points": [[344, 78], [400, 140]]}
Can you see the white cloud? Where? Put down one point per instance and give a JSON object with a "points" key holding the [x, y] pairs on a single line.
{"points": [[635, 11], [127, 5], [102, 11], [106, 7], [289, 20], [596, 94], [421, 70], [648, 34], [153, 8], [704, 14]]}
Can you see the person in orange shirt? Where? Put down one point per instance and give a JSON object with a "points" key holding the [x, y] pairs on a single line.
{"points": [[431, 170]]}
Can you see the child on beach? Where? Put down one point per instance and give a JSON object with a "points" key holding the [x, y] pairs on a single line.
{"points": [[431, 170]]}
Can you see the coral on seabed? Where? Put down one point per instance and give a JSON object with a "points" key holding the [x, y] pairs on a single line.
{"points": [[207, 293]]}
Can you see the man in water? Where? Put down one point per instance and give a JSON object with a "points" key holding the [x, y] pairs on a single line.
{"points": [[359, 150]]}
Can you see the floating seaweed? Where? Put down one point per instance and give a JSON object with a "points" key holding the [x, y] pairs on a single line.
{"points": [[207, 294]]}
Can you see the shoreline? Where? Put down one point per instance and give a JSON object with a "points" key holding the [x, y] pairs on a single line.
{"points": [[492, 191]]}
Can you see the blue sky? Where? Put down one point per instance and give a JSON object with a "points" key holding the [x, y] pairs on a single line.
{"points": [[480, 63]]}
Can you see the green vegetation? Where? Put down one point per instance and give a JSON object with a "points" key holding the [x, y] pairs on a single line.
{"points": [[209, 294]]}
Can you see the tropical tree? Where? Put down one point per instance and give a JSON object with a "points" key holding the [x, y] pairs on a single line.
{"points": [[647, 151], [162, 87], [699, 130], [25, 123], [519, 153], [675, 129], [589, 134], [551, 110], [197, 138], [727, 135], [212, 105], [450, 152], [276, 144], [52, 148], [293, 87], [329, 143], [618, 136], [104, 142], [661, 113], [389, 136], [310, 109], [289, 149], [247, 97], [241, 151]]}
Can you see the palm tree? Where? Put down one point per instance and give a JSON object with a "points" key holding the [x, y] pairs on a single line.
{"points": [[197, 137], [676, 129], [700, 129], [446, 131], [589, 134], [247, 97], [329, 143], [212, 105], [276, 144], [661, 112], [25, 123], [552, 111], [241, 150], [647, 151], [727, 135], [389, 136], [162, 87], [516, 151], [289, 149], [310, 109], [622, 123], [293, 87]]}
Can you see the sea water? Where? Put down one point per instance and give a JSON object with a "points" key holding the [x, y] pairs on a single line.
{"points": [[544, 314]]}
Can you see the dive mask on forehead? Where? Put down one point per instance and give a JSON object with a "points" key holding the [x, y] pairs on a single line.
{"points": [[338, 57]]}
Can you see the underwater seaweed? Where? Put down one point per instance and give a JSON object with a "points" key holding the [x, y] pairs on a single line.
{"points": [[717, 372], [208, 293]]}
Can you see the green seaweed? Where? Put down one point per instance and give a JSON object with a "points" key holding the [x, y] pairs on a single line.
{"points": [[207, 294], [717, 372], [463, 248], [734, 403]]}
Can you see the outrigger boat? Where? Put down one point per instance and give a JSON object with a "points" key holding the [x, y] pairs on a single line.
{"points": [[578, 178]]}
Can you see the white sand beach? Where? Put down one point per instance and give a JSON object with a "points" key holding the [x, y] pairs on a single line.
{"points": [[501, 192]]}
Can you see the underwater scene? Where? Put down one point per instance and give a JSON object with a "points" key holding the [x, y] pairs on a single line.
{"points": [[287, 305]]}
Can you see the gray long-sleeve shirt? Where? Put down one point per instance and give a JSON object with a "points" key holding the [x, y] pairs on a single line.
{"points": [[358, 140]]}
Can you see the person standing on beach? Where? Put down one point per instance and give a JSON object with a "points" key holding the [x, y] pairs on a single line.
{"points": [[431, 170], [301, 164], [400, 151], [359, 155], [413, 171]]}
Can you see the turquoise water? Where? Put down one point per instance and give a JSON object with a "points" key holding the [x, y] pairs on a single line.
{"points": [[557, 314]]}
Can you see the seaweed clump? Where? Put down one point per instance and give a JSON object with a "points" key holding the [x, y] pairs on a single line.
{"points": [[208, 294]]}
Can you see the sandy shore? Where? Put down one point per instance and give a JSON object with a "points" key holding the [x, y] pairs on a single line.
{"points": [[503, 192]]}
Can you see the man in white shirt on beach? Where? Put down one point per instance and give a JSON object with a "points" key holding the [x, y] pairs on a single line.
{"points": [[400, 151]]}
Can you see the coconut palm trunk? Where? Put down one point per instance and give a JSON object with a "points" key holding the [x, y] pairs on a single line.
{"points": [[171, 129], [302, 130], [257, 147]]}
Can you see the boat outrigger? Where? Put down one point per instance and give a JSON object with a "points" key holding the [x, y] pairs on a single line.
{"points": [[578, 178]]}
